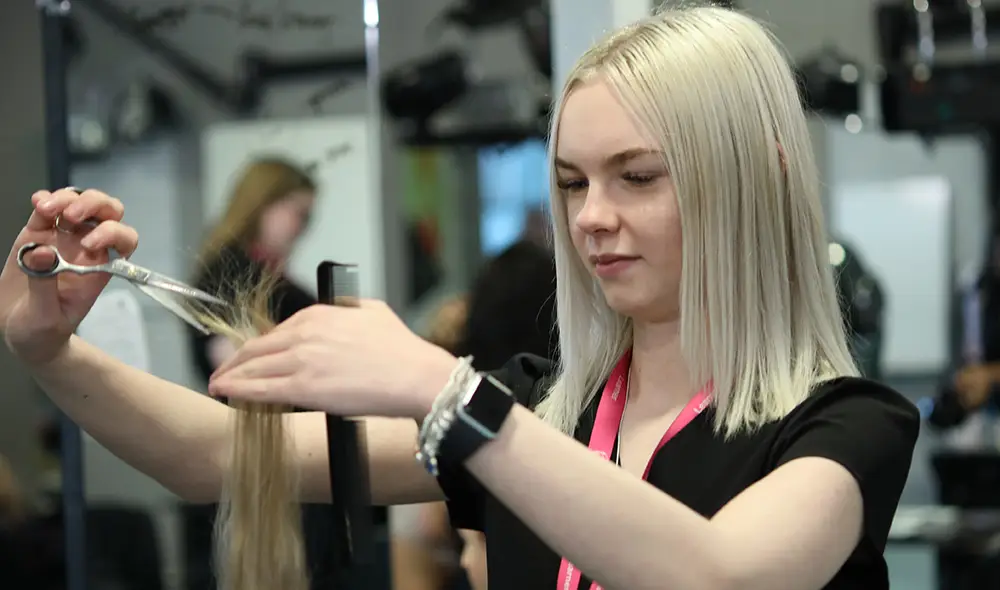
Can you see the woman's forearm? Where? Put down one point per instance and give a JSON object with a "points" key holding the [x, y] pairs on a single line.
{"points": [[612, 526], [172, 434]]}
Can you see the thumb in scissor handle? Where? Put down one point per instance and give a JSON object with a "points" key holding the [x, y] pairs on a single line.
{"points": [[48, 272]]}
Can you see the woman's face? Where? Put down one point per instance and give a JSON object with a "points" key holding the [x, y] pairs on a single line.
{"points": [[620, 205], [284, 222]]}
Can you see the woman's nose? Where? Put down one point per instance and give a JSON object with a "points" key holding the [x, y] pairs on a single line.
{"points": [[597, 213]]}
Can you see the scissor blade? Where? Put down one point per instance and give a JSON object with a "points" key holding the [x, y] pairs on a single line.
{"points": [[167, 284], [174, 307]]}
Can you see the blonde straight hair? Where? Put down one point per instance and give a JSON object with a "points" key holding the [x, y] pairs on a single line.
{"points": [[759, 315], [258, 527]]}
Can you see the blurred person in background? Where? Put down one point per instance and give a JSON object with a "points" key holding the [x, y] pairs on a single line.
{"points": [[267, 213], [12, 508], [12, 512], [973, 388], [977, 383], [862, 303], [31, 547], [510, 309]]}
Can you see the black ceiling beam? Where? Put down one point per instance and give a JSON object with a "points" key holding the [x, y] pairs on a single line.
{"points": [[223, 94], [259, 69]]}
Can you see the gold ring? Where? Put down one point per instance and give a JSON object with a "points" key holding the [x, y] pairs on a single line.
{"points": [[72, 228], [59, 226]]}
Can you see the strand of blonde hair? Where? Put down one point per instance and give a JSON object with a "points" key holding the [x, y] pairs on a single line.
{"points": [[258, 526]]}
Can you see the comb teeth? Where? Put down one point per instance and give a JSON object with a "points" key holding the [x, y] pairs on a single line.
{"points": [[345, 285], [338, 284]]}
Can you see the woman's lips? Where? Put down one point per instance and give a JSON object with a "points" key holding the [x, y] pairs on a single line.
{"points": [[611, 266]]}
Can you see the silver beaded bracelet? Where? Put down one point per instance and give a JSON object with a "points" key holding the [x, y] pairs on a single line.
{"points": [[438, 422]]}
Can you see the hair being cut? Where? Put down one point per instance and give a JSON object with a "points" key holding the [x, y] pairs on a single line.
{"points": [[258, 534], [759, 315]]}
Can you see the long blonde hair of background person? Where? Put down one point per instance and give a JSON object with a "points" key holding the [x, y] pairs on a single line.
{"points": [[259, 539], [758, 308], [265, 181]]}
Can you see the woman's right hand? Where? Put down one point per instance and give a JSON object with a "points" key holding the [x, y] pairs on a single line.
{"points": [[38, 315]]}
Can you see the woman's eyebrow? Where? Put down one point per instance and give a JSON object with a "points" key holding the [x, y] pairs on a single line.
{"points": [[616, 159]]}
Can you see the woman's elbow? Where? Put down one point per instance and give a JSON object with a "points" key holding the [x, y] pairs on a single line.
{"points": [[199, 482], [195, 488]]}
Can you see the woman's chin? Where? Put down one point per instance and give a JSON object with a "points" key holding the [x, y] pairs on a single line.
{"points": [[624, 301], [638, 306]]}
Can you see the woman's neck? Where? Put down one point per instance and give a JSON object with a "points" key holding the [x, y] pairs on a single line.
{"points": [[266, 257], [659, 374]]}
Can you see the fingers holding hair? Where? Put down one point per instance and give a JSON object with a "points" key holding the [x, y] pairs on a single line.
{"points": [[272, 343]]}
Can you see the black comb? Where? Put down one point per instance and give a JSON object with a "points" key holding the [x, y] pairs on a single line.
{"points": [[353, 542]]}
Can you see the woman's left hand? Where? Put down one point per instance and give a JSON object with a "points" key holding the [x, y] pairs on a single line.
{"points": [[348, 361]]}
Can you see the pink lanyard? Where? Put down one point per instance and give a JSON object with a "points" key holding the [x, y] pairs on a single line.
{"points": [[610, 411]]}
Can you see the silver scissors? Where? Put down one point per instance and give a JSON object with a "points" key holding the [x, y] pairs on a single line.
{"points": [[157, 286]]}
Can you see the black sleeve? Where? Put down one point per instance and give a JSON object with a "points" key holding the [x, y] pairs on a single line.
{"points": [[288, 300], [867, 428], [466, 498]]}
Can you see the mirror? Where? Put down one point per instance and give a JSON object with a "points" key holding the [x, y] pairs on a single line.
{"points": [[181, 109], [177, 108]]}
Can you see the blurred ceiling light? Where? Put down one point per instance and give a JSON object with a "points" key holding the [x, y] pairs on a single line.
{"points": [[837, 254], [853, 123]]}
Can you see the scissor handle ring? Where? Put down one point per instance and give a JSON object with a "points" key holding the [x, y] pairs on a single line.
{"points": [[23, 251]]}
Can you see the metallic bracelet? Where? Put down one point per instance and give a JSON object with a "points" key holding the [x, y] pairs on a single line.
{"points": [[442, 415]]}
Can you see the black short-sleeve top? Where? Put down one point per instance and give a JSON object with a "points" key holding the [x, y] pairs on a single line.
{"points": [[232, 268], [866, 427]]}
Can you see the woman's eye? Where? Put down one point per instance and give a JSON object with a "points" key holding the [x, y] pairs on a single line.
{"points": [[639, 179], [571, 185]]}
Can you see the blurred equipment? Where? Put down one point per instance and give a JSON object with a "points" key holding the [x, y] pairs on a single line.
{"points": [[862, 306], [938, 76], [440, 100], [482, 14], [531, 17], [420, 89], [142, 109], [831, 83], [535, 25]]}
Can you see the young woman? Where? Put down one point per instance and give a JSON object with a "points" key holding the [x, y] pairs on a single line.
{"points": [[696, 308], [267, 213]]}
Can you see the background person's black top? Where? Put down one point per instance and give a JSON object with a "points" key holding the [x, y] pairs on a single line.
{"points": [[868, 428], [234, 269]]}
